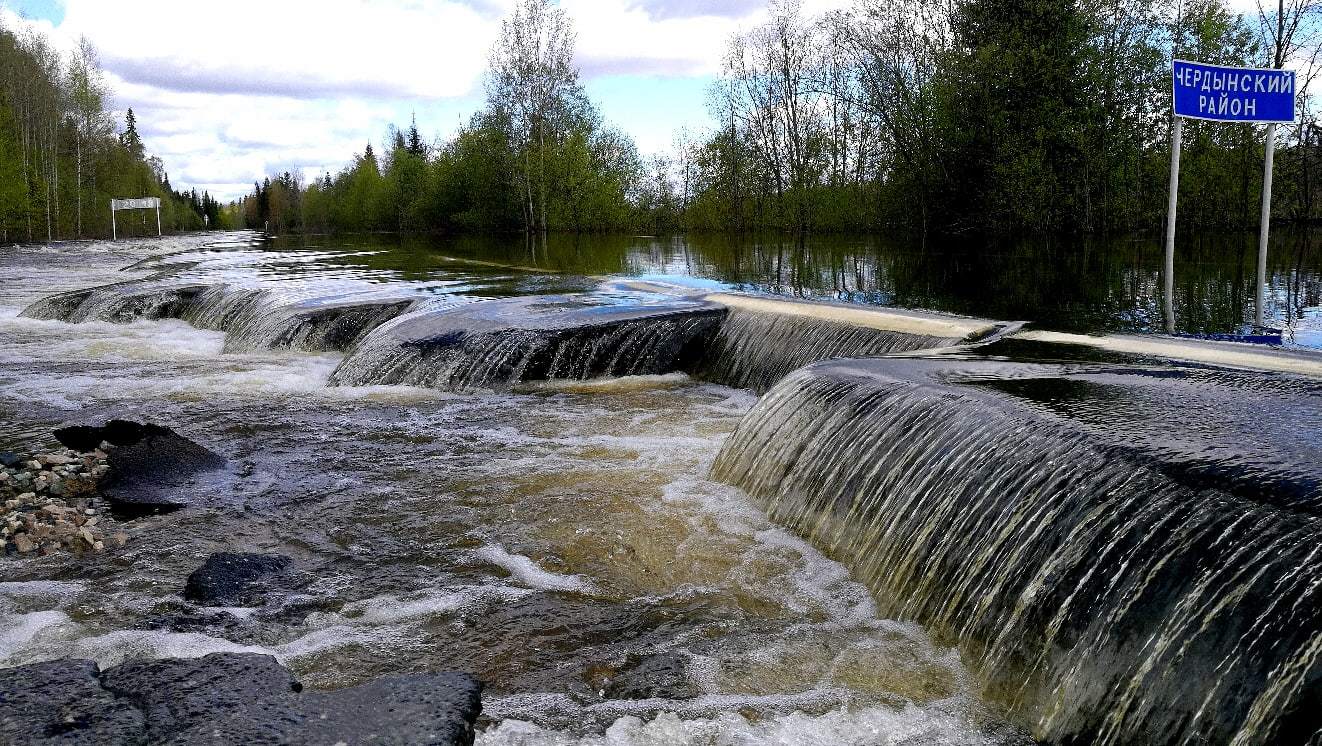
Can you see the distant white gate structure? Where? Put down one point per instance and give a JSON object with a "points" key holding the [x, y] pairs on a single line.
{"points": [[142, 203]]}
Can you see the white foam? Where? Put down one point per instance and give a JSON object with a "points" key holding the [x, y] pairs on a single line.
{"points": [[865, 726], [391, 609], [616, 385], [45, 589], [18, 630], [113, 648], [328, 638], [530, 573]]}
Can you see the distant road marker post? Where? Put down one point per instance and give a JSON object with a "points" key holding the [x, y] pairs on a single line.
{"points": [[142, 203], [1227, 94]]}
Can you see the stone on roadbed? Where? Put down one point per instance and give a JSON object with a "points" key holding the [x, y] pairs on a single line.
{"points": [[228, 698], [50, 502]]}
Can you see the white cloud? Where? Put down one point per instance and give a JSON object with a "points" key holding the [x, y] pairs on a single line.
{"points": [[228, 93], [665, 37], [300, 48]]}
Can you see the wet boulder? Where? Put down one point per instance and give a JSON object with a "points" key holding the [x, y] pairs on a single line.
{"points": [[116, 432], [151, 467], [250, 698], [62, 702], [227, 698], [235, 579]]}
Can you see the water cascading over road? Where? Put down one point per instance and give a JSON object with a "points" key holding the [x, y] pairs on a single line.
{"points": [[1125, 554], [518, 473]]}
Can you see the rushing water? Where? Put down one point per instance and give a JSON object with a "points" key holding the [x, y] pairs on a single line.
{"points": [[1123, 574], [500, 458], [560, 540]]}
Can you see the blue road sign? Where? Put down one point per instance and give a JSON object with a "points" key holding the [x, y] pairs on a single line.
{"points": [[1232, 94]]}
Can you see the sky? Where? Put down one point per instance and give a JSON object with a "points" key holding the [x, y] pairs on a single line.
{"points": [[227, 93]]}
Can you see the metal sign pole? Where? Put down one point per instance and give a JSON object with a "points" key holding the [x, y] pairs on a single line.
{"points": [[1168, 275], [1218, 93], [1264, 226], [114, 229], [158, 219]]}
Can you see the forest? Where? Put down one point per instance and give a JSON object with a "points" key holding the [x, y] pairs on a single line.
{"points": [[983, 117], [63, 157], [970, 117]]}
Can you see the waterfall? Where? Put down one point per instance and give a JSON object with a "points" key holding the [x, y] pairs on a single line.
{"points": [[764, 338], [754, 349], [492, 344], [118, 303], [315, 320], [311, 327], [1099, 584], [626, 328]]}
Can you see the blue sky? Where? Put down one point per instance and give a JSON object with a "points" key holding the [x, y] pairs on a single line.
{"points": [[228, 93]]}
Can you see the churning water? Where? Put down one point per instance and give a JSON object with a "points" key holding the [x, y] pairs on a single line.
{"points": [[1127, 554], [560, 539], [571, 488]]}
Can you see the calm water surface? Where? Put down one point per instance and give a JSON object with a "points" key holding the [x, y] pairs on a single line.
{"points": [[1081, 285]]}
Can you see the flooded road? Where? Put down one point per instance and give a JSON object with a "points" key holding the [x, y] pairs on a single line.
{"points": [[560, 540]]}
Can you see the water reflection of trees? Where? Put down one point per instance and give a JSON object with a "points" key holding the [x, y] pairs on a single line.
{"points": [[1084, 285]]}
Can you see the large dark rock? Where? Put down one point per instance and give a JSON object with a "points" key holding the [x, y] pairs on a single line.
{"points": [[234, 579], [151, 467], [228, 698], [115, 432], [63, 702], [247, 698]]}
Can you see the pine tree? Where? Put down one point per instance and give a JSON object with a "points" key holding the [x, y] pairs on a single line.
{"points": [[130, 138], [415, 145]]}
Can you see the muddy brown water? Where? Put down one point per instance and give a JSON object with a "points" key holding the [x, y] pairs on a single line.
{"points": [[562, 541]]}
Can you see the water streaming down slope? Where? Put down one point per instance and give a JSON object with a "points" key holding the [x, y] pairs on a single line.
{"points": [[1108, 584], [755, 349], [564, 545], [253, 318], [495, 343], [443, 339], [763, 338]]}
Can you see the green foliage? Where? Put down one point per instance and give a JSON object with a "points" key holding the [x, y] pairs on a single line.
{"points": [[967, 117], [981, 116], [538, 157], [60, 160]]}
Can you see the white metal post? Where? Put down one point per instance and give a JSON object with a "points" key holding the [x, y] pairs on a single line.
{"points": [[158, 219], [1168, 274], [1264, 226], [114, 229]]}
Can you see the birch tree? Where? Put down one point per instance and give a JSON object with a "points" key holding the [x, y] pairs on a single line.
{"points": [[532, 72], [91, 123]]}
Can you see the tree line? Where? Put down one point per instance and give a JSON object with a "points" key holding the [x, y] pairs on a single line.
{"points": [[61, 157], [538, 157], [999, 117]]}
